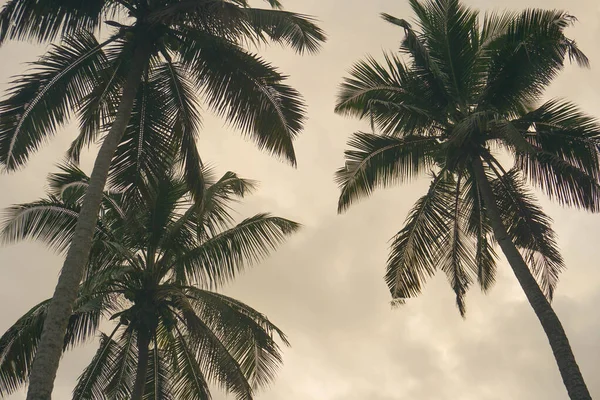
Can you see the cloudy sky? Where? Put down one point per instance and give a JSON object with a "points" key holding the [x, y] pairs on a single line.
{"points": [[324, 288]]}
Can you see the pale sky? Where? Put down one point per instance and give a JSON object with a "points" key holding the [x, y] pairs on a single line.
{"points": [[325, 287]]}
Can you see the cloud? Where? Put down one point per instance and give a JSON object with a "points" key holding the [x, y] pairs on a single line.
{"points": [[325, 287]]}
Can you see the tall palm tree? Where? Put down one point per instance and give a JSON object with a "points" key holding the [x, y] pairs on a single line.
{"points": [[167, 49], [468, 98], [151, 268]]}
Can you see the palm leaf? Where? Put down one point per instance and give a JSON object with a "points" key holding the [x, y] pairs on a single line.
{"points": [[298, 31], [217, 260], [456, 255], [530, 229], [415, 249], [19, 343], [380, 161], [247, 334], [91, 383], [41, 101], [122, 370], [246, 90], [189, 382], [391, 95], [526, 59], [217, 364], [45, 21]]}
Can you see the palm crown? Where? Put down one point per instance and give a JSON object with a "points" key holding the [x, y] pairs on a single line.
{"points": [[151, 269], [190, 47], [136, 87], [470, 92]]}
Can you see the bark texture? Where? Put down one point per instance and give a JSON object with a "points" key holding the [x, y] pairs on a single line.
{"points": [[47, 358], [142, 366], [567, 365]]}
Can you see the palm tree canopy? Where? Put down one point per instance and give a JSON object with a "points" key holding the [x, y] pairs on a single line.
{"points": [[194, 47], [155, 258], [471, 87]]}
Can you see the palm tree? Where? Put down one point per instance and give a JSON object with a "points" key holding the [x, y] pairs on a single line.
{"points": [[467, 100], [167, 49], [153, 262]]}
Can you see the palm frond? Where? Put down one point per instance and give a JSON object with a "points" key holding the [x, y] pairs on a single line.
{"points": [[295, 30], [98, 108], [218, 260], [415, 249], [423, 65], [246, 90], [391, 95], [158, 377], [49, 220], [380, 161], [19, 343], [182, 105], [248, 334], [447, 28], [456, 255], [122, 369], [41, 101], [145, 151], [216, 362], [560, 128], [526, 59], [91, 383], [189, 382], [478, 226], [47, 20], [560, 180], [530, 229]]}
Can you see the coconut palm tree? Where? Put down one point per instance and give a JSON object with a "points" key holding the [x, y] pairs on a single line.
{"points": [[153, 263], [467, 100], [170, 49]]}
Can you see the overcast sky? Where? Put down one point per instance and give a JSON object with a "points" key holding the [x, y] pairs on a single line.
{"points": [[325, 287]]}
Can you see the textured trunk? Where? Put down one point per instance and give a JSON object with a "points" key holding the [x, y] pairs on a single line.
{"points": [[142, 366], [557, 337], [45, 364]]}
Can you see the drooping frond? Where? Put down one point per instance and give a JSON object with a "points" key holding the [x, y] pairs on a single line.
{"points": [[479, 227], [560, 128], [158, 376], [216, 362], [530, 229], [42, 101], [245, 90], [47, 20], [97, 110], [49, 220], [415, 249], [456, 255], [189, 382], [91, 383], [560, 180], [247, 334], [19, 343], [182, 105], [526, 59], [380, 161], [122, 369]]}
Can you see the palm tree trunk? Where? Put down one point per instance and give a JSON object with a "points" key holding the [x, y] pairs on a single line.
{"points": [[142, 365], [557, 337], [45, 364]]}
